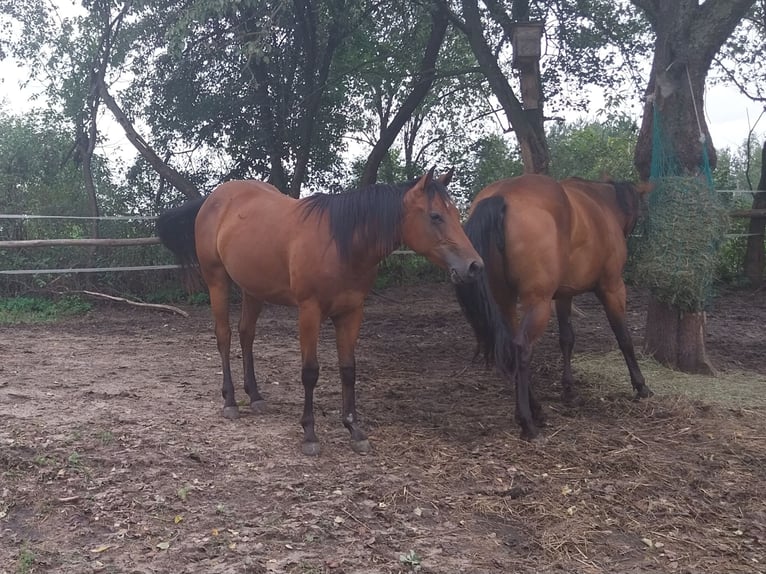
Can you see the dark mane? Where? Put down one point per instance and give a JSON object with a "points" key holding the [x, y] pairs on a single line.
{"points": [[629, 201], [370, 216]]}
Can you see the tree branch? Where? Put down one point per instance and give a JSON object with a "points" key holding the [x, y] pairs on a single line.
{"points": [[164, 170]]}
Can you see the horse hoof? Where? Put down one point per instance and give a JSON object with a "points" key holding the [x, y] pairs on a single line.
{"points": [[360, 446], [644, 393], [530, 434], [571, 398], [231, 413], [311, 448], [258, 407]]}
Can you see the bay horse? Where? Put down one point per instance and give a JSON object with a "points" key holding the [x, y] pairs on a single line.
{"points": [[319, 254], [544, 241]]}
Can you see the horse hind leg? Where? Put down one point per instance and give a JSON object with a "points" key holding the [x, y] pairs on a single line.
{"points": [[251, 309], [566, 343], [218, 283], [529, 412], [614, 302], [346, 333]]}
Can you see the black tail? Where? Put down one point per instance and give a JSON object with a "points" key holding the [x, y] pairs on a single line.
{"points": [[175, 228], [494, 337]]}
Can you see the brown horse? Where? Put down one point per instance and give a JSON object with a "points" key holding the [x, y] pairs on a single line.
{"points": [[320, 254], [542, 240]]}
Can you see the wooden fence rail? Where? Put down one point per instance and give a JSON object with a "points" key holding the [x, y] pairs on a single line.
{"points": [[18, 244]]}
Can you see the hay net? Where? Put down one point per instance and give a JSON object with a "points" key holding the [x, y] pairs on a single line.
{"points": [[674, 247]]}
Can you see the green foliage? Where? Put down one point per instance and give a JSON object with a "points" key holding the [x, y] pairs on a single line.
{"points": [[40, 310], [35, 176], [407, 269], [489, 159], [591, 149]]}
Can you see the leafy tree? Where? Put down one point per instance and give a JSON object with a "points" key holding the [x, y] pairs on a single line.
{"points": [[591, 149], [687, 34], [37, 176], [490, 159]]}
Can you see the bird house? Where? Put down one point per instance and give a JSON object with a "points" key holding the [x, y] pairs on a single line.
{"points": [[525, 41]]}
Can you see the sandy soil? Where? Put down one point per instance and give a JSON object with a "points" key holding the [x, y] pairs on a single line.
{"points": [[114, 456]]}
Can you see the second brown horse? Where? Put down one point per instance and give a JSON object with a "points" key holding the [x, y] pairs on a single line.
{"points": [[543, 240], [319, 254]]}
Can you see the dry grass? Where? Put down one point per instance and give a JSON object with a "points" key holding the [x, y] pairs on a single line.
{"points": [[606, 373]]}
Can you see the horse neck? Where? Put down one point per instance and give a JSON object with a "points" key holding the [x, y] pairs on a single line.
{"points": [[376, 233]]}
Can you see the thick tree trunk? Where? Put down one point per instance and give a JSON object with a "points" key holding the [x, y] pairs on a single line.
{"points": [[687, 37], [676, 339], [754, 253]]}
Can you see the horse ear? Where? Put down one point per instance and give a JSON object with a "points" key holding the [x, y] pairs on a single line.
{"points": [[447, 177], [423, 182], [644, 188], [429, 176]]}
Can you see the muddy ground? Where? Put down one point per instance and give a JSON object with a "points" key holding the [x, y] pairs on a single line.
{"points": [[114, 456]]}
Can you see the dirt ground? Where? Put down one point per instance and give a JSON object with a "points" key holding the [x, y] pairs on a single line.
{"points": [[114, 456]]}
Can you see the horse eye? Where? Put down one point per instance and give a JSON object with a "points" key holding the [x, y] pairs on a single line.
{"points": [[436, 218]]}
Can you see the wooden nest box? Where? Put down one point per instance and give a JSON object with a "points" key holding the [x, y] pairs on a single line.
{"points": [[525, 41]]}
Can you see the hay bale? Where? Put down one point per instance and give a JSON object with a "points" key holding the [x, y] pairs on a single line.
{"points": [[674, 249]]}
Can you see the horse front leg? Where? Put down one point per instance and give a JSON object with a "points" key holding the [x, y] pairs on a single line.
{"points": [[614, 301], [347, 328], [309, 321]]}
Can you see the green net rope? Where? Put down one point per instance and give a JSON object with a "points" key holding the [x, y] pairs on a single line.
{"points": [[674, 249]]}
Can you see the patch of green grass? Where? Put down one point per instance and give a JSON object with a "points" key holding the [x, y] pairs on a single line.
{"points": [[412, 560], [106, 437], [25, 562], [43, 460], [17, 310]]}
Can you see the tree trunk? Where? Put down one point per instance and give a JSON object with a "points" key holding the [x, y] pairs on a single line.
{"points": [[171, 175], [754, 253], [527, 126], [687, 37], [677, 339], [318, 62], [420, 89]]}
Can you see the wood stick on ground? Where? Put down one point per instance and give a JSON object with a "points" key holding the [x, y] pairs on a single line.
{"points": [[157, 306]]}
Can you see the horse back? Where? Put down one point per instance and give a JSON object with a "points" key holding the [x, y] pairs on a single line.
{"points": [[246, 228], [273, 250], [599, 248], [537, 230]]}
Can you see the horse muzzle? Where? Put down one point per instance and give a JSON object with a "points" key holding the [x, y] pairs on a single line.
{"points": [[466, 273]]}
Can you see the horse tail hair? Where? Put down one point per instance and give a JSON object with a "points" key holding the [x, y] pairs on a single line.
{"points": [[494, 337], [175, 228]]}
